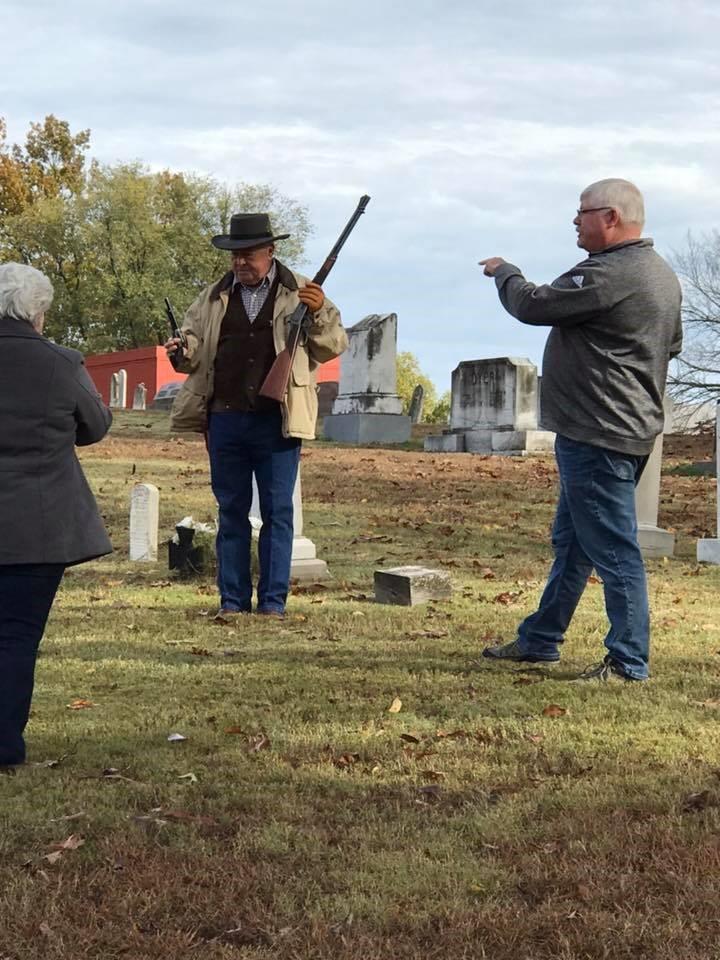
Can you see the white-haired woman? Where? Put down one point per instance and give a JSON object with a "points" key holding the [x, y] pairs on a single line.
{"points": [[48, 516]]}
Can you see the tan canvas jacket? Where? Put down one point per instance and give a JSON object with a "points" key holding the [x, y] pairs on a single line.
{"points": [[326, 339]]}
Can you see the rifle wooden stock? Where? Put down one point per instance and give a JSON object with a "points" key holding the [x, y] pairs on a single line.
{"points": [[275, 385], [276, 382]]}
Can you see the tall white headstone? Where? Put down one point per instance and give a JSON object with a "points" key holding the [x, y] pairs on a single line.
{"points": [[114, 390], [122, 389], [708, 549], [653, 540], [305, 565], [144, 519]]}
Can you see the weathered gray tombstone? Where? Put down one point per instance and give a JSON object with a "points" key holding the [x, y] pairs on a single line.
{"points": [[367, 408], [417, 403], [140, 397], [653, 540], [305, 563], [411, 585], [708, 549], [493, 409], [144, 519]]}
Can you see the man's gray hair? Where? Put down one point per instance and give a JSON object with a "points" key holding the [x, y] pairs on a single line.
{"points": [[25, 292], [621, 195]]}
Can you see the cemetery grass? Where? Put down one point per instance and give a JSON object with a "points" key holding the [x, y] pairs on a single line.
{"points": [[354, 782]]}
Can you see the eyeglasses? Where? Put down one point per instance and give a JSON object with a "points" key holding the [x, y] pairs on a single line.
{"points": [[592, 210]]}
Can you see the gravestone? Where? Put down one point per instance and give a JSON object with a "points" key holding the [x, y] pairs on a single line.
{"points": [[191, 551], [493, 409], [122, 374], [411, 585], [367, 408], [417, 403], [654, 541], [144, 518], [118, 389], [305, 563], [140, 397], [708, 549], [114, 390]]}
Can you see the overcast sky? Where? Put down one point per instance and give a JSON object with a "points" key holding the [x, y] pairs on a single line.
{"points": [[472, 125]]}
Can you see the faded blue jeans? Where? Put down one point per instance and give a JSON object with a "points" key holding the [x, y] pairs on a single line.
{"points": [[595, 526], [240, 445]]}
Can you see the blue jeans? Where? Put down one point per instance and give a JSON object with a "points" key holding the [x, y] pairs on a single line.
{"points": [[240, 445], [595, 526], [27, 591]]}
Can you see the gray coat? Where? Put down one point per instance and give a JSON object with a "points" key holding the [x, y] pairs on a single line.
{"points": [[48, 404]]}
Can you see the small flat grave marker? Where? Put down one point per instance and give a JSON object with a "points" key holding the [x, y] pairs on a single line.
{"points": [[411, 585]]}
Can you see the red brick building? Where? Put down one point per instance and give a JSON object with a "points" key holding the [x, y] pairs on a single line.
{"points": [[150, 365]]}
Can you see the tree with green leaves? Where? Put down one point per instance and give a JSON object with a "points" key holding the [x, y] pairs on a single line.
{"points": [[409, 376]]}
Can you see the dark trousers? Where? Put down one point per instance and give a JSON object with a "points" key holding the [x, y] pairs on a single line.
{"points": [[240, 445], [26, 594], [595, 526]]}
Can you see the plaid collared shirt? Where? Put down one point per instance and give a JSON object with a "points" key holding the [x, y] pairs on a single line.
{"points": [[253, 298]]}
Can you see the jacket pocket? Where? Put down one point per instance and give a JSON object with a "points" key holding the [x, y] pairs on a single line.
{"points": [[301, 368], [189, 410]]}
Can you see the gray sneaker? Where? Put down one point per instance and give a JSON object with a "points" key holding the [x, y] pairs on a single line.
{"points": [[604, 672], [516, 652]]}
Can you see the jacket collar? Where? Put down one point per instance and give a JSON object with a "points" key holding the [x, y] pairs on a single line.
{"points": [[12, 327], [285, 277], [638, 242]]}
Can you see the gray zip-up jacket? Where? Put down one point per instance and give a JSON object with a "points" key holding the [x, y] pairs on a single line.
{"points": [[616, 325]]}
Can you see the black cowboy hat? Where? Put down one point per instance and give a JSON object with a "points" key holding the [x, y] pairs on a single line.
{"points": [[247, 230]]}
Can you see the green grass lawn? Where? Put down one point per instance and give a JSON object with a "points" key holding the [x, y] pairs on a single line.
{"points": [[300, 817]]}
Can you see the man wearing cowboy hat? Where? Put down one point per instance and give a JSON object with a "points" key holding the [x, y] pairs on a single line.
{"points": [[234, 331]]}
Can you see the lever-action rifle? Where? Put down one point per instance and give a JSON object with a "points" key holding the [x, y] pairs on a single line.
{"points": [[177, 334], [276, 383]]}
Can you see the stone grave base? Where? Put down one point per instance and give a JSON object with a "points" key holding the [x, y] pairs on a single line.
{"points": [[445, 443], [708, 551], [509, 443], [655, 542], [408, 586], [367, 427], [312, 569]]}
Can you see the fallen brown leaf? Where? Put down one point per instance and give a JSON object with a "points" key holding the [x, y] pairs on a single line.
{"points": [[409, 738], [80, 704], [257, 743], [451, 735], [346, 760], [553, 710]]}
